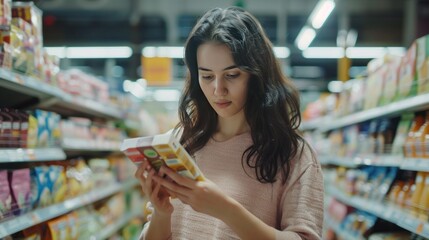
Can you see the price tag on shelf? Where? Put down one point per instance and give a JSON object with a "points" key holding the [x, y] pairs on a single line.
{"points": [[3, 232], [425, 230], [17, 78], [388, 213], [31, 154], [4, 156]]}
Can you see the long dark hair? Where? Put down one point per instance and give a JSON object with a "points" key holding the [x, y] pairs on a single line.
{"points": [[272, 106]]}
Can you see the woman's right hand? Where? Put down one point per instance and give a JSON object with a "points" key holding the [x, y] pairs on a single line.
{"points": [[158, 196]]}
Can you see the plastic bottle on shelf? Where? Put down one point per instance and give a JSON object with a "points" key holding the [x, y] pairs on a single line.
{"points": [[415, 199], [409, 146], [424, 200], [386, 133], [420, 138]]}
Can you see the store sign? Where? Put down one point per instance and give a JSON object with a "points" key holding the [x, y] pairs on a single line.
{"points": [[157, 70]]}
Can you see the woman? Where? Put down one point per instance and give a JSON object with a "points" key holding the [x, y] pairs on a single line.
{"points": [[239, 116]]}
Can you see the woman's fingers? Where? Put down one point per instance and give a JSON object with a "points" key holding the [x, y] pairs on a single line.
{"points": [[184, 181]]}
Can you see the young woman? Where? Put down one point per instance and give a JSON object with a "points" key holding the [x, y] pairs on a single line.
{"points": [[239, 116]]}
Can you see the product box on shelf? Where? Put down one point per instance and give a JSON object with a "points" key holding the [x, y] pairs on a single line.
{"points": [[374, 87], [5, 14], [42, 196], [422, 64], [20, 185], [391, 78], [159, 150], [5, 196], [407, 74], [29, 12], [401, 134], [5, 49]]}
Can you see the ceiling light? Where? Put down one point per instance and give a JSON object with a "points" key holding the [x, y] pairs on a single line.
{"points": [[305, 37], [166, 95], [321, 12], [335, 86], [169, 52], [90, 52], [323, 52], [373, 52], [352, 52], [281, 52]]}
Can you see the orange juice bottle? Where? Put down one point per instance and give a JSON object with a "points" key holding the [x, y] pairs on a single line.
{"points": [[409, 147], [415, 199], [424, 200], [420, 136]]}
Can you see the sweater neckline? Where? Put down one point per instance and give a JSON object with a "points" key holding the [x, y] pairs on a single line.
{"points": [[241, 135]]}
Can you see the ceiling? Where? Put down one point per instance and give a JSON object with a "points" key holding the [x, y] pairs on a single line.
{"points": [[139, 23]]}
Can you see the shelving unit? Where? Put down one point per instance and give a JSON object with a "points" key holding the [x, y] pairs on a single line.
{"points": [[384, 210], [387, 212], [335, 226], [55, 99], [111, 229], [411, 104], [24, 92], [33, 155], [40, 215]]}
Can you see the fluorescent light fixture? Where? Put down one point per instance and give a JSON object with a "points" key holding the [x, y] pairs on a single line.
{"points": [[305, 37], [321, 12], [335, 86], [352, 52], [91, 52], [323, 52], [177, 52], [57, 51], [373, 52], [170, 52], [166, 95], [137, 88], [281, 52]]}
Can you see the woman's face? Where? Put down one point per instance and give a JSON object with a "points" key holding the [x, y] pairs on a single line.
{"points": [[223, 83]]}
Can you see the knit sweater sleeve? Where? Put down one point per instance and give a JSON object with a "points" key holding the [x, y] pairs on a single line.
{"points": [[301, 204]]}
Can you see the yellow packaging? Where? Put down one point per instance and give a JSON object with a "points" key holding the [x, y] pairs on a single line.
{"points": [[32, 131], [420, 183], [422, 64], [159, 150]]}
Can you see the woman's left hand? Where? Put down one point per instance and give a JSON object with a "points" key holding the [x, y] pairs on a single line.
{"points": [[203, 196]]}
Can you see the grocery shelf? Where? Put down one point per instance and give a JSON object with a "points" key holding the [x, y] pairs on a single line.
{"points": [[31, 154], [371, 160], [411, 104], [388, 212], [68, 105], [314, 123], [40, 215], [119, 223], [415, 164], [27, 85], [83, 145], [343, 234], [55, 99]]}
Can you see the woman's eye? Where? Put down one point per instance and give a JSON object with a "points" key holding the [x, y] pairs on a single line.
{"points": [[206, 77], [229, 76]]}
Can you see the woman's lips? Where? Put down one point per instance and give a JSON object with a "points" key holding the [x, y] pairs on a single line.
{"points": [[222, 104]]}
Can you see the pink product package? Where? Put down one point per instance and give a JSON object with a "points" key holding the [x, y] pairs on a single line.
{"points": [[5, 196], [20, 186]]}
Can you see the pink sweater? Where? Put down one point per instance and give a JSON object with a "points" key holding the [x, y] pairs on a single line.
{"points": [[295, 209]]}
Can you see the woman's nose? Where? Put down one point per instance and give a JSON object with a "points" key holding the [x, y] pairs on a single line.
{"points": [[219, 87]]}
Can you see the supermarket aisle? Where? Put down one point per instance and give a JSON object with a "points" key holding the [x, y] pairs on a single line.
{"points": [[61, 173], [374, 146]]}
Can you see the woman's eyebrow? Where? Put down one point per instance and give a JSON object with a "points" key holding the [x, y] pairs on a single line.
{"points": [[227, 68]]}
